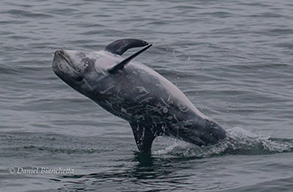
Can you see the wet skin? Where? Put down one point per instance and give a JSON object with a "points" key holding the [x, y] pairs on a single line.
{"points": [[151, 104]]}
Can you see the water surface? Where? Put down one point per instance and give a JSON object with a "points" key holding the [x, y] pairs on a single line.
{"points": [[233, 60]]}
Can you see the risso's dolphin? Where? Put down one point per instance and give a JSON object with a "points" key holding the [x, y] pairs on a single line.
{"points": [[151, 104]]}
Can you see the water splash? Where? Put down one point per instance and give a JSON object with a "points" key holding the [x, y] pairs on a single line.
{"points": [[239, 142]]}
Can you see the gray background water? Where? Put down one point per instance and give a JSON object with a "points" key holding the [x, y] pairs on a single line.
{"points": [[232, 58]]}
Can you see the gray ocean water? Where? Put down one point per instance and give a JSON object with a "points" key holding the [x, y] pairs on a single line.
{"points": [[233, 59]]}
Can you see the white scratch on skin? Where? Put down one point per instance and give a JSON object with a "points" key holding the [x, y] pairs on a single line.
{"points": [[146, 99], [87, 84], [169, 117], [169, 99], [183, 107], [106, 90], [168, 102], [165, 110], [143, 92], [142, 89], [175, 117], [109, 104]]}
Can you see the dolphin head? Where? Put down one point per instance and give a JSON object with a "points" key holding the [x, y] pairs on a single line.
{"points": [[70, 65], [75, 68], [90, 73]]}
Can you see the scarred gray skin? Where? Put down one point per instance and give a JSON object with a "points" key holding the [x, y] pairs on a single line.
{"points": [[149, 102]]}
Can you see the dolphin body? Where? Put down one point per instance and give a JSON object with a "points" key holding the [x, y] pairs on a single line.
{"points": [[151, 104]]}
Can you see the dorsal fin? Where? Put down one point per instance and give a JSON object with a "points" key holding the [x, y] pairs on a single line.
{"points": [[122, 64], [122, 45]]}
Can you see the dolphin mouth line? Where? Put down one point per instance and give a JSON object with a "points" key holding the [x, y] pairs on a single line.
{"points": [[68, 61]]}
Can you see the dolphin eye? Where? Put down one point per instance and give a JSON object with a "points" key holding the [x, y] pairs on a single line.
{"points": [[86, 62]]}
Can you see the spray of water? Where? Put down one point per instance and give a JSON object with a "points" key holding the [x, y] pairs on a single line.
{"points": [[239, 142]]}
